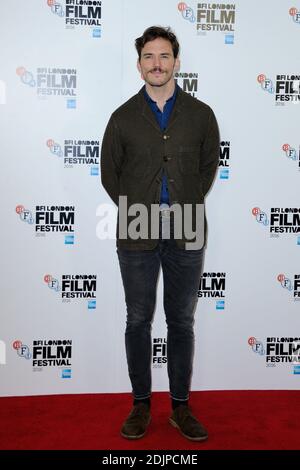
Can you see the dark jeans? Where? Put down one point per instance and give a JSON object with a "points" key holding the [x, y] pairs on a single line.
{"points": [[181, 276]]}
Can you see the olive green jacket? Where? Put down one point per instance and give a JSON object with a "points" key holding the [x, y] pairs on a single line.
{"points": [[135, 152]]}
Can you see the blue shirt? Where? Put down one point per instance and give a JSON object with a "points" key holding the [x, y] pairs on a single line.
{"points": [[162, 120]]}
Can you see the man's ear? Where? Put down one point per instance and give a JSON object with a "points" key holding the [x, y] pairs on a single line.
{"points": [[177, 65], [139, 68]]}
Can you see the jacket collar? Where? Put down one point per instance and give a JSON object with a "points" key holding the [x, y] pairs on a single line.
{"points": [[148, 114]]}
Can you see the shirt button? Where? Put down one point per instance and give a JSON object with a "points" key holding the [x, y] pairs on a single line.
{"points": [[165, 137], [171, 180]]}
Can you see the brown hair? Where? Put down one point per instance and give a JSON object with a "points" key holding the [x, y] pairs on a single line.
{"points": [[157, 32]]}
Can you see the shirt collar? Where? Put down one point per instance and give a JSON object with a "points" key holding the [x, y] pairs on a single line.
{"points": [[150, 100]]}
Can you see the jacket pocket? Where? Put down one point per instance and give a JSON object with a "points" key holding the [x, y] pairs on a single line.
{"points": [[188, 159]]}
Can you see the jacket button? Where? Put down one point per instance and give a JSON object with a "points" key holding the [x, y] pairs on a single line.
{"points": [[171, 180], [165, 137]]}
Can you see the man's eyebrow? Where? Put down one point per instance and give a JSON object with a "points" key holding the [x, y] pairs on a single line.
{"points": [[161, 53]]}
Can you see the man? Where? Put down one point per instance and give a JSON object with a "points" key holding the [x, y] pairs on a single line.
{"points": [[160, 150]]}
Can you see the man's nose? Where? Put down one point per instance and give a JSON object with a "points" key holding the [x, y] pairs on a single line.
{"points": [[157, 62]]}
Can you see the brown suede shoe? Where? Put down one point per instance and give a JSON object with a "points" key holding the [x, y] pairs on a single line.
{"points": [[135, 426], [187, 424]]}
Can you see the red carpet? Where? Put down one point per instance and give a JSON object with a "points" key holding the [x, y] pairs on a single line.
{"points": [[234, 419]]}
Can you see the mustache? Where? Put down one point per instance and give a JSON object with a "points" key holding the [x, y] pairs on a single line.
{"points": [[157, 69]]}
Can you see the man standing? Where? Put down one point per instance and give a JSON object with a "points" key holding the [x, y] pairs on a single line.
{"points": [[160, 149]]}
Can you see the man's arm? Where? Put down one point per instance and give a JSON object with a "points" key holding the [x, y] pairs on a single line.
{"points": [[210, 153], [111, 160]]}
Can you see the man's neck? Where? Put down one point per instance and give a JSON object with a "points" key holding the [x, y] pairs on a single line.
{"points": [[161, 94]]}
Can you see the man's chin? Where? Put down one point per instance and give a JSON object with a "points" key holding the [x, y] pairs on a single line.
{"points": [[157, 84]]}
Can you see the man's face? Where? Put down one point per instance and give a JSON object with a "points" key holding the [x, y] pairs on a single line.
{"points": [[157, 63]]}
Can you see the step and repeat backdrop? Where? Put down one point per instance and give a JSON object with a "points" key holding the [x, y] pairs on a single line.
{"points": [[66, 65]]}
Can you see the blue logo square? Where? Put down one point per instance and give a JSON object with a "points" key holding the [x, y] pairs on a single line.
{"points": [[69, 239], [224, 174], [71, 104], [91, 304], [296, 370], [229, 38], [220, 304], [97, 33], [66, 374], [94, 170], [298, 240]]}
